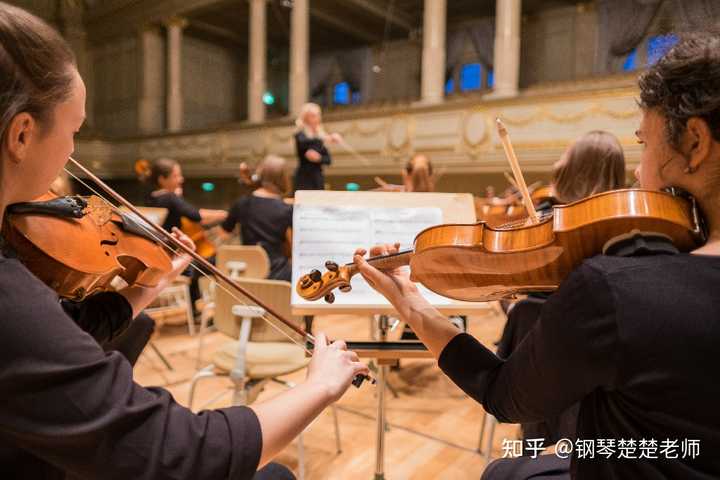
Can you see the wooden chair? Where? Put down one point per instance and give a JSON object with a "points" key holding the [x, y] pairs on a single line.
{"points": [[257, 263], [237, 261]]}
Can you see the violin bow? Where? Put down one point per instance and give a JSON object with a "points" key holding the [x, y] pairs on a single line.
{"points": [[517, 172], [210, 268], [353, 152]]}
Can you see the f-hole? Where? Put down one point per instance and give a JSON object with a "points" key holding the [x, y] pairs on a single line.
{"points": [[111, 242]]}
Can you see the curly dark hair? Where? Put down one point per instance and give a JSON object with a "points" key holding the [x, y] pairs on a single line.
{"points": [[685, 83]]}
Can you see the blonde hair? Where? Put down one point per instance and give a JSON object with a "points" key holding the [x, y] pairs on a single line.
{"points": [[595, 163], [300, 121], [419, 175], [272, 174]]}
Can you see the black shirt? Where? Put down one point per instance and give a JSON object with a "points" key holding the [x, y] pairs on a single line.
{"points": [[67, 409], [177, 209], [636, 340], [263, 221], [309, 175]]}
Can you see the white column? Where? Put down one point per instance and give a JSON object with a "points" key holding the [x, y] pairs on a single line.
{"points": [[174, 73], [70, 19], [299, 48], [508, 14], [151, 80], [433, 54], [258, 61]]}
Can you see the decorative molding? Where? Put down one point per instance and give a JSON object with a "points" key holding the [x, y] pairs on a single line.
{"points": [[458, 136]]}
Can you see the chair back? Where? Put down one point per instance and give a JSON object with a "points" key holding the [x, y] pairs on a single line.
{"points": [[274, 293], [257, 262]]}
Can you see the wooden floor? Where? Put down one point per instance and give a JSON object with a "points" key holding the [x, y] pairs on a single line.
{"points": [[434, 428]]}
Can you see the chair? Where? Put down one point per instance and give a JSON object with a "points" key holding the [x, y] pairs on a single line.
{"points": [[261, 353], [236, 261], [488, 421], [174, 303], [257, 263]]}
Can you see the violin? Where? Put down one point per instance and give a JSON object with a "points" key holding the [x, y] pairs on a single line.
{"points": [[542, 193], [203, 246], [501, 211], [78, 245], [480, 263], [496, 214]]}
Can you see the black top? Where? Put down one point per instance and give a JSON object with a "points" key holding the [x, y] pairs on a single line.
{"points": [[636, 340], [177, 208], [263, 221], [67, 409], [104, 315], [309, 175]]}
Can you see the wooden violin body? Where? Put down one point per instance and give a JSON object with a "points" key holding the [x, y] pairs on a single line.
{"points": [[481, 263], [79, 252], [203, 245]]}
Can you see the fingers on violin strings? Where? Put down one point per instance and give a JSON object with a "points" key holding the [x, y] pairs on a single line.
{"points": [[320, 341], [360, 251], [360, 368]]}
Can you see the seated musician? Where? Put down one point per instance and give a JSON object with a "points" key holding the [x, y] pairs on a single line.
{"points": [[264, 218], [630, 338], [417, 176], [166, 179], [594, 163], [68, 409]]}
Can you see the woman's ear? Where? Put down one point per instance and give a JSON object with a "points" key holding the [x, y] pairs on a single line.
{"points": [[697, 142], [19, 135]]}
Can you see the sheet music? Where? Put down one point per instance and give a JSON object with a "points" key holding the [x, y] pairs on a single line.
{"points": [[322, 233]]}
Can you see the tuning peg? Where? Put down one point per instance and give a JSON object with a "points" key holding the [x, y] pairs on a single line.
{"points": [[332, 266], [315, 275], [346, 288], [306, 281], [330, 297]]}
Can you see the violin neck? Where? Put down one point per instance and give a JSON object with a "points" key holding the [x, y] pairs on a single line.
{"points": [[389, 262]]}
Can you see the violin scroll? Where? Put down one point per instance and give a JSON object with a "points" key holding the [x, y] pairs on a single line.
{"points": [[316, 285]]}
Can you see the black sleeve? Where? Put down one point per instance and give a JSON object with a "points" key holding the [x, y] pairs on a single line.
{"points": [[186, 210], [103, 315], [66, 402], [326, 158], [571, 351], [234, 216], [303, 144]]}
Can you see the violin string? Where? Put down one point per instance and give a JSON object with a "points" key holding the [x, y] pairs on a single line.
{"points": [[523, 221], [175, 251]]}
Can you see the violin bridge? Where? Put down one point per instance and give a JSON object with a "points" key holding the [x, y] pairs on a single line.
{"points": [[98, 210]]}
